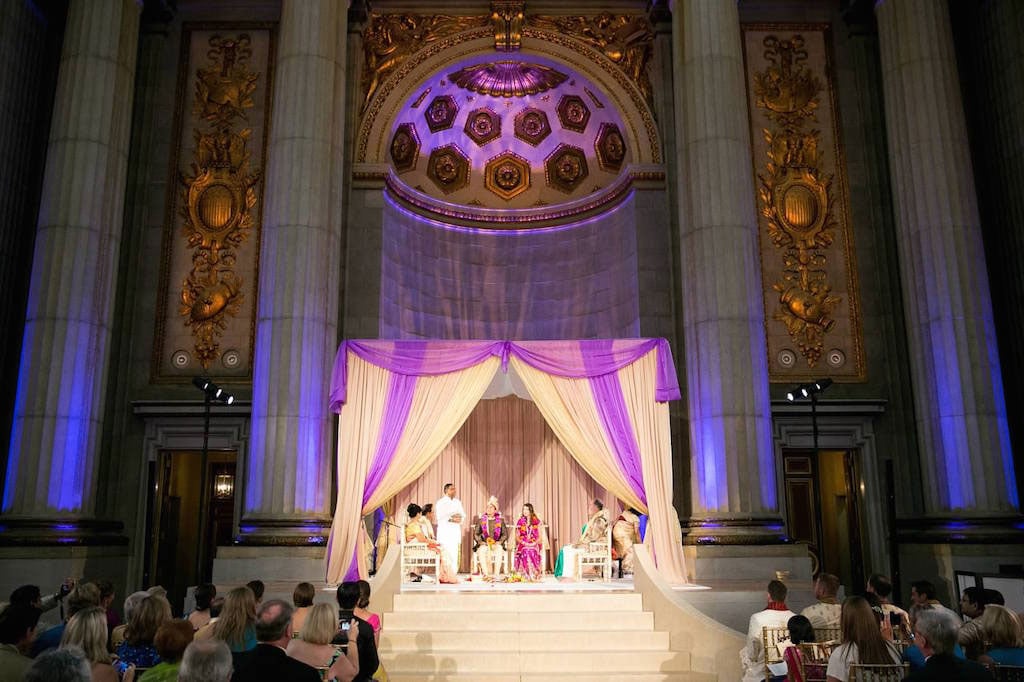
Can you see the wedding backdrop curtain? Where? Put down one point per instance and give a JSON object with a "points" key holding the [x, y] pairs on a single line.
{"points": [[506, 449], [401, 402]]}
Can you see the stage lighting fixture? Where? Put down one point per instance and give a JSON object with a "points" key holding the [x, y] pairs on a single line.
{"points": [[212, 390], [808, 390]]}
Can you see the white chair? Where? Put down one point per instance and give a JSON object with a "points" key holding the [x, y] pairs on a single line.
{"points": [[597, 554], [474, 563], [417, 556]]}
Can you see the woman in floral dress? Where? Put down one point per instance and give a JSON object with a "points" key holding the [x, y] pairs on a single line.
{"points": [[528, 544]]}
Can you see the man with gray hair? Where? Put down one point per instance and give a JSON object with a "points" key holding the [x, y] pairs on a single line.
{"points": [[935, 635], [269, 661], [60, 665], [206, 660]]}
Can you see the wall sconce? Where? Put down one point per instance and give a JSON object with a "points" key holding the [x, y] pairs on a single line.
{"points": [[223, 486]]}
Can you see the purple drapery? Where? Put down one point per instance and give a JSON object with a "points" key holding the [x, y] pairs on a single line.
{"points": [[611, 407], [576, 359]]}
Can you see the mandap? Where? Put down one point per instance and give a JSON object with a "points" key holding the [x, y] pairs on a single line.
{"points": [[401, 402]]}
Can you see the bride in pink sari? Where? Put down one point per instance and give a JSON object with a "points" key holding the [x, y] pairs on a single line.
{"points": [[528, 544]]}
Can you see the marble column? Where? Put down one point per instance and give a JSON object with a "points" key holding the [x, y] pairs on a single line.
{"points": [[288, 470], [51, 471], [966, 459], [733, 472]]}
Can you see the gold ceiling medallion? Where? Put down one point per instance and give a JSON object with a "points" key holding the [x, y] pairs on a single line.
{"points": [[219, 193], [794, 194], [389, 39], [627, 40], [507, 78], [507, 17]]}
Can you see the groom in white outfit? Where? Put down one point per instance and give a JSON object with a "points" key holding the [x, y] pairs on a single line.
{"points": [[450, 517]]}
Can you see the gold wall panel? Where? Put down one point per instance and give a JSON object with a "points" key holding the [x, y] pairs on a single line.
{"points": [[207, 300], [808, 274]]}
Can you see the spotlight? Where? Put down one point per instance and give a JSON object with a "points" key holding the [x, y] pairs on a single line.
{"points": [[212, 390], [808, 390], [821, 384]]}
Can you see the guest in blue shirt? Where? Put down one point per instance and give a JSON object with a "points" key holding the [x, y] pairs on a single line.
{"points": [[138, 648], [1004, 634]]}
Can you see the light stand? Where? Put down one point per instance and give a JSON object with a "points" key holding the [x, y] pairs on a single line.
{"points": [[803, 392], [211, 392]]}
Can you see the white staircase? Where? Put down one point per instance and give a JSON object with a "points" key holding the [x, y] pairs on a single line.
{"points": [[506, 637]]}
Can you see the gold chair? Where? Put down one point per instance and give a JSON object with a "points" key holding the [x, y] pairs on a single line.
{"points": [[878, 673], [814, 660], [770, 638], [1007, 673], [827, 634]]}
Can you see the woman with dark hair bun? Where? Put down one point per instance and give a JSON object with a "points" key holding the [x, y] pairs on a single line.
{"points": [[201, 616], [800, 632], [414, 533]]}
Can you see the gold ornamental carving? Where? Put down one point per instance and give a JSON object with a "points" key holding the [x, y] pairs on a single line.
{"points": [[219, 192], [627, 40], [809, 282], [507, 18], [389, 39]]}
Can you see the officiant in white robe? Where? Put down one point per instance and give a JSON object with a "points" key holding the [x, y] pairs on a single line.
{"points": [[451, 517]]}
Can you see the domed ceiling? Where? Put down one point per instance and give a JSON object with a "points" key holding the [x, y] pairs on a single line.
{"points": [[510, 131]]}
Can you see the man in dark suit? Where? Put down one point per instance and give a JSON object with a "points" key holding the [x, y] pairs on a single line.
{"points": [[935, 634], [268, 662]]}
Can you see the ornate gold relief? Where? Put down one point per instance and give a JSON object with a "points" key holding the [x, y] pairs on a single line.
{"points": [[627, 40], [219, 194], [389, 39], [508, 79], [507, 17], [805, 250], [507, 175]]}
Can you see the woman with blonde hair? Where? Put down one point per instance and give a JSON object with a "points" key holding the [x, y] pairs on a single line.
{"points": [[87, 630], [313, 645], [138, 648], [237, 623], [1004, 635], [862, 640]]}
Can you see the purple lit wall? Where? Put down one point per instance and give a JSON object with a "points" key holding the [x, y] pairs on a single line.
{"points": [[574, 281]]}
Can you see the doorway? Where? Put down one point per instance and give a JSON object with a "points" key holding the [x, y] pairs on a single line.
{"points": [[823, 512], [186, 522]]}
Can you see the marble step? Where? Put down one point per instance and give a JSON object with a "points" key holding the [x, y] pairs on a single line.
{"points": [[501, 661], [445, 676], [608, 602], [399, 642], [489, 621]]}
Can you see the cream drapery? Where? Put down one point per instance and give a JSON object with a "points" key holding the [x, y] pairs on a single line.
{"points": [[569, 407], [439, 407]]}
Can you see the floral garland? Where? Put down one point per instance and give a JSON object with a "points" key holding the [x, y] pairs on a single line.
{"points": [[528, 528], [491, 533]]}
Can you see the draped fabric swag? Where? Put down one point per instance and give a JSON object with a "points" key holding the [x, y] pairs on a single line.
{"points": [[401, 402]]}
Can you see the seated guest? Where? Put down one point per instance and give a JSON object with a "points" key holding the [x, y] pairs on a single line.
{"points": [[528, 545], [206, 660], [31, 595], [216, 606], [17, 630], [258, 588], [935, 633], [594, 530], [414, 533], [994, 597], [361, 613], [236, 625], [83, 596], [130, 603], [107, 594], [972, 602], [861, 640], [800, 632], [313, 645], [625, 534], [302, 597], [268, 662], [64, 665], [86, 631], [971, 638], [775, 614], [912, 654], [923, 592], [489, 535], [1004, 635], [428, 520], [171, 640], [880, 586], [201, 616], [348, 599], [138, 648], [826, 612]]}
